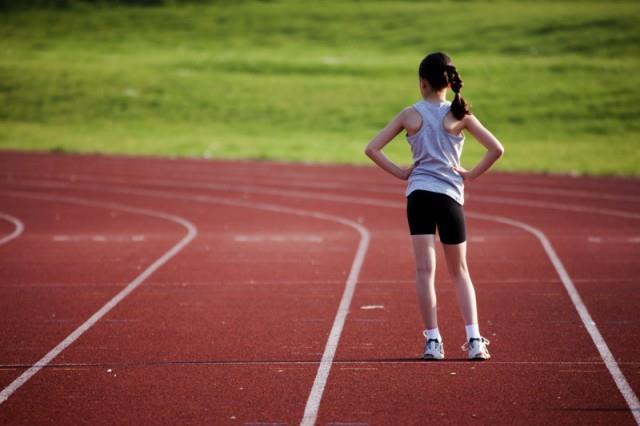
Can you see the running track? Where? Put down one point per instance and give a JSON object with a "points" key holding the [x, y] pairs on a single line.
{"points": [[159, 291]]}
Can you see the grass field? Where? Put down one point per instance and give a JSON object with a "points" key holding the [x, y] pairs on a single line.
{"points": [[557, 82]]}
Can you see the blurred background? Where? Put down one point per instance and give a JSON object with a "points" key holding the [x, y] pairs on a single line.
{"points": [[557, 82]]}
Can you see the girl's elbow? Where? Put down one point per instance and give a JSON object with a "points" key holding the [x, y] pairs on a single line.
{"points": [[499, 151], [369, 151]]}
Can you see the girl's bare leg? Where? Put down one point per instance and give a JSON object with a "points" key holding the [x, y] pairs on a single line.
{"points": [[456, 255], [424, 249]]}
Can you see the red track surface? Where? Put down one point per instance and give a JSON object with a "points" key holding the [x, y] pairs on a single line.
{"points": [[231, 330]]}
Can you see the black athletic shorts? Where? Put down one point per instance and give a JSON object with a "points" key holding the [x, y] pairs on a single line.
{"points": [[427, 210]]}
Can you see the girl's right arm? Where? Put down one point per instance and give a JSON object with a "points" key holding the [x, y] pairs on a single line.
{"points": [[386, 135]]}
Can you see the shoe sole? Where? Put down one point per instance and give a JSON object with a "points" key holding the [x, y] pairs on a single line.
{"points": [[480, 358], [431, 358]]}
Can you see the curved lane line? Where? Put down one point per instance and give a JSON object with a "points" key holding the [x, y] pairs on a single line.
{"points": [[340, 182], [362, 200], [190, 235], [605, 353], [577, 193], [394, 188], [553, 206], [19, 228], [590, 325], [313, 402], [272, 189], [334, 180]]}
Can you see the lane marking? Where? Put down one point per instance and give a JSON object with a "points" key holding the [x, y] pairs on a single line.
{"points": [[278, 238], [597, 338], [605, 353], [578, 193], [186, 239], [18, 228], [554, 206], [391, 188], [297, 179], [613, 240], [590, 325], [369, 307], [313, 402], [289, 178], [361, 200], [337, 182], [98, 238]]}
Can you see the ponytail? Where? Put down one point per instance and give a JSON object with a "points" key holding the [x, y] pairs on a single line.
{"points": [[437, 69], [459, 107]]}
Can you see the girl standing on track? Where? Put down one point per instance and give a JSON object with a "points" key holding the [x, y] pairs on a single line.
{"points": [[435, 192]]}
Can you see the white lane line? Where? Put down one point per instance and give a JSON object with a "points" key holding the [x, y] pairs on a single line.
{"points": [[588, 322], [390, 188], [283, 238], [335, 181], [18, 228], [98, 238], [305, 180], [605, 353], [190, 235], [597, 338], [394, 189], [313, 402], [503, 188], [346, 198], [221, 187], [577, 193], [554, 206], [477, 239]]}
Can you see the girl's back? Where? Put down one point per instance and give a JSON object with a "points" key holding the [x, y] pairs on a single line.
{"points": [[435, 153]]}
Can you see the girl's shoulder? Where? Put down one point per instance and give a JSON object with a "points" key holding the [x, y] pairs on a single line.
{"points": [[455, 126], [411, 119]]}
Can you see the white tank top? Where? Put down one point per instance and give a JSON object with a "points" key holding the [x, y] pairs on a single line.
{"points": [[435, 151]]}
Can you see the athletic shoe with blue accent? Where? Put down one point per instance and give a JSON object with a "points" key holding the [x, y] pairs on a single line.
{"points": [[433, 349], [477, 348]]}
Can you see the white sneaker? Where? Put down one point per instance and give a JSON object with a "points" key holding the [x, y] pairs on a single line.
{"points": [[433, 349], [477, 348]]}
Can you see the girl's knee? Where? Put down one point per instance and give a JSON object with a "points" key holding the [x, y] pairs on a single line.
{"points": [[425, 270]]}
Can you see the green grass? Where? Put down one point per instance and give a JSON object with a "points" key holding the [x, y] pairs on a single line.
{"points": [[314, 81]]}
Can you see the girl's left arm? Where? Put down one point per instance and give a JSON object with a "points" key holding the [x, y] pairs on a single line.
{"points": [[386, 135], [491, 143]]}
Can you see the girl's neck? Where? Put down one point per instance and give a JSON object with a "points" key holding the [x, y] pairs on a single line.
{"points": [[435, 96]]}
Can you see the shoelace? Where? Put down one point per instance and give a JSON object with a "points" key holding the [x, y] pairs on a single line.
{"points": [[465, 347]]}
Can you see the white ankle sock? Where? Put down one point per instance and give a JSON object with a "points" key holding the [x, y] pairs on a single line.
{"points": [[434, 333], [473, 331]]}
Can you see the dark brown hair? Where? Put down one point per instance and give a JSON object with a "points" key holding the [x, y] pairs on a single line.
{"points": [[438, 70]]}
